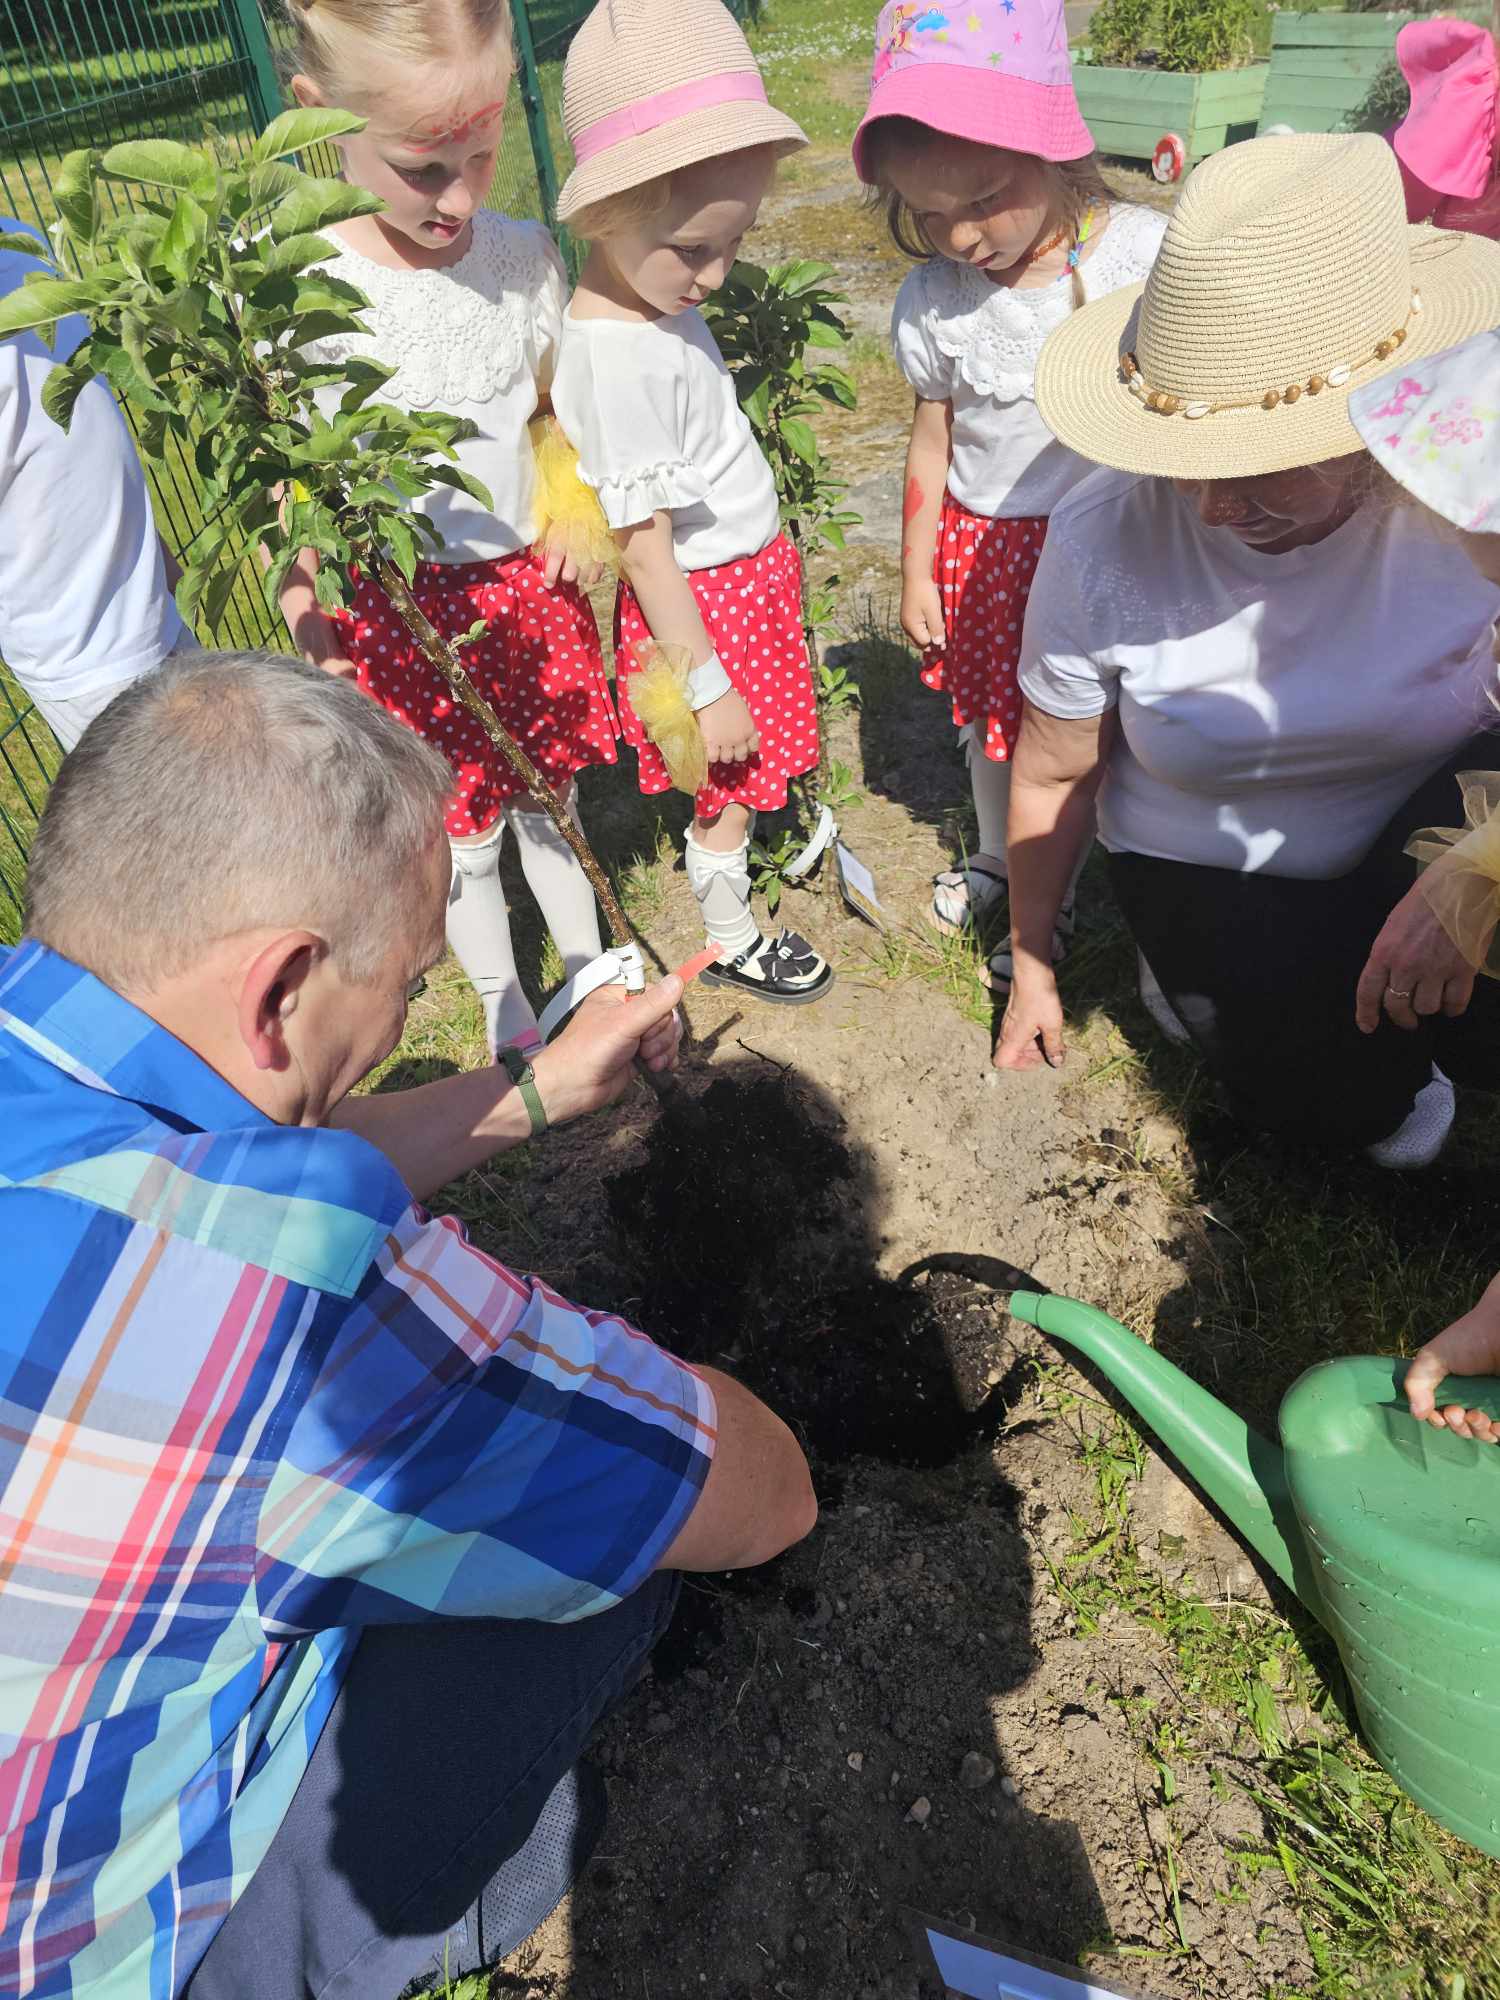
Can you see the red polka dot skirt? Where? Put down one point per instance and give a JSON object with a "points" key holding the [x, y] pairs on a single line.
{"points": [[753, 611], [984, 569], [539, 666]]}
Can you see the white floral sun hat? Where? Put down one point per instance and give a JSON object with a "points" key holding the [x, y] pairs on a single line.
{"points": [[1434, 425]]}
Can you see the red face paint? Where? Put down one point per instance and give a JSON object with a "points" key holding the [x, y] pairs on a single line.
{"points": [[428, 142], [915, 499]]}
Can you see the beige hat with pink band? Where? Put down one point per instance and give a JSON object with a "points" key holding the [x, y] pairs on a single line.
{"points": [[654, 85]]}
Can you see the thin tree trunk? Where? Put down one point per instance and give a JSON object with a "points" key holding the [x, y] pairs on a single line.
{"points": [[439, 654]]}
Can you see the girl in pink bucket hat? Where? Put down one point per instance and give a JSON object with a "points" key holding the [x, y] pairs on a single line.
{"points": [[1447, 143], [676, 146], [974, 138]]}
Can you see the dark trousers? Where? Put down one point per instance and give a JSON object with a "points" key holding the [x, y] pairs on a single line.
{"points": [[1261, 970], [444, 1746]]}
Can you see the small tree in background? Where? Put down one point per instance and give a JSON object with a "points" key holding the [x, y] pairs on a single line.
{"points": [[201, 301], [777, 330]]}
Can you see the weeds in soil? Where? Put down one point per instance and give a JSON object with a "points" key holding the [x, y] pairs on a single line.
{"points": [[1390, 1904]]}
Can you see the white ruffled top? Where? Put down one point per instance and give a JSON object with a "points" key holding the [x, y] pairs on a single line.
{"points": [[478, 339], [651, 408], [963, 340]]}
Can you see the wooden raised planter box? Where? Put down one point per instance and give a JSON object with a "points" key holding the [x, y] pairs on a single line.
{"points": [[1128, 110], [1322, 66]]}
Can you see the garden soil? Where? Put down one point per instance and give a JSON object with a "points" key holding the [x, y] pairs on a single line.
{"points": [[899, 1715]]}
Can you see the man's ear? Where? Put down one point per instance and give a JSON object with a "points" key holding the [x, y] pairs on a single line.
{"points": [[307, 93], [270, 989]]}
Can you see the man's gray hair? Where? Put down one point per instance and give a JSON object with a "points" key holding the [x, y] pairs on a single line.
{"points": [[226, 792]]}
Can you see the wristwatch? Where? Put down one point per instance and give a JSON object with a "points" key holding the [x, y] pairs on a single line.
{"points": [[523, 1076]]}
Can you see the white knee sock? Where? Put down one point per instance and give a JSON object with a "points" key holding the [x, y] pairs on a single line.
{"points": [[555, 877], [990, 784], [479, 932], [721, 883]]}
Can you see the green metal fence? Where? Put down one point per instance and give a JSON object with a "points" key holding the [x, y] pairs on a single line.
{"points": [[93, 72]]}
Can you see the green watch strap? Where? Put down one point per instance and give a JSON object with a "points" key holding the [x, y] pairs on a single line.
{"points": [[518, 1068]]}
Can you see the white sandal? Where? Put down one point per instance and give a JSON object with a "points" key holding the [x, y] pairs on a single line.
{"points": [[999, 973], [963, 897]]}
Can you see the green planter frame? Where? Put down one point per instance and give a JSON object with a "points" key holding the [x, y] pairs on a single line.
{"points": [[1128, 110]]}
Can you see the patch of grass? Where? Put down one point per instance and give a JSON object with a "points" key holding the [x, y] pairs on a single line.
{"points": [[816, 59]]}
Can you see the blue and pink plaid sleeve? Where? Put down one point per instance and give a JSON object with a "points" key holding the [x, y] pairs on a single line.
{"points": [[473, 1445]]}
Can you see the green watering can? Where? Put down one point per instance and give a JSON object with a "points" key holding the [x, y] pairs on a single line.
{"points": [[1387, 1529]]}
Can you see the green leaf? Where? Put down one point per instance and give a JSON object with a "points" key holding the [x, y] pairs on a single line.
{"points": [[22, 242], [266, 184], [73, 191], [802, 277], [162, 163], [314, 203], [294, 130], [474, 634], [403, 545], [41, 301], [802, 439], [296, 253], [821, 334], [319, 325], [465, 482], [835, 386], [329, 587], [186, 237], [62, 388], [216, 597], [755, 400]]}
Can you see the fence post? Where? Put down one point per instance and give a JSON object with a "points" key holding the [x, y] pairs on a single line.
{"points": [[247, 32], [536, 114]]}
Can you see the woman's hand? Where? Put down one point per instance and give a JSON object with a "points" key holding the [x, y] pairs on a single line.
{"points": [[922, 612], [1471, 1346], [729, 732], [1032, 1031], [1414, 969]]}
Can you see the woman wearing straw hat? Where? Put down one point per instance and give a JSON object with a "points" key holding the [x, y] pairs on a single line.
{"points": [[1264, 669]]}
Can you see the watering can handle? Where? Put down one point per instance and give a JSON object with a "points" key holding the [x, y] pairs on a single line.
{"points": [[1381, 1379]]}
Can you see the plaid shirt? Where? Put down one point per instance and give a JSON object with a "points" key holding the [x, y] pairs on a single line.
{"points": [[252, 1399]]}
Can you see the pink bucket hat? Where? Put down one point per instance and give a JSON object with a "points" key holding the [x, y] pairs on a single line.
{"points": [[994, 71], [1447, 139]]}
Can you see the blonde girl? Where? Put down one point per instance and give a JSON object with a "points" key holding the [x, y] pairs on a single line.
{"points": [[467, 306], [974, 138], [676, 146]]}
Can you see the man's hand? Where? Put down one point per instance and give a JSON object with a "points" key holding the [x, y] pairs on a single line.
{"points": [[594, 1058], [1471, 1346], [922, 612], [1032, 1031], [729, 733], [1414, 969]]}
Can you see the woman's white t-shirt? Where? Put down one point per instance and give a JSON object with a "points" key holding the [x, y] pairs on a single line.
{"points": [[476, 339], [962, 340], [1274, 710], [84, 603], [651, 408]]}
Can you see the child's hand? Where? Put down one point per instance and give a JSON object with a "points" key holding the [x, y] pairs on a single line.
{"points": [[922, 612], [1471, 1346], [729, 732]]}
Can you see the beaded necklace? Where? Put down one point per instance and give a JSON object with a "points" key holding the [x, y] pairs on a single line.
{"points": [[1085, 230]]}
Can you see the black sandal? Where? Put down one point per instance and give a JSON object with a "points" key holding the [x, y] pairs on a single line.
{"points": [[784, 969]]}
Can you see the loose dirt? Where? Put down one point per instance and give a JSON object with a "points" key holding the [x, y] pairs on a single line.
{"points": [[832, 1202]]}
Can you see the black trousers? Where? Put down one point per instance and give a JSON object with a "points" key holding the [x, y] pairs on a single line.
{"points": [[443, 1748], [1261, 970]]}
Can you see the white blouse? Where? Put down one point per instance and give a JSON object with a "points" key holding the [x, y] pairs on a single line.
{"points": [[476, 339], [962, 340], [651, 408]]}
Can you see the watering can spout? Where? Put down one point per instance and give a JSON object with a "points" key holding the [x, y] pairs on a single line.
{"points": [[1240, 1471]]}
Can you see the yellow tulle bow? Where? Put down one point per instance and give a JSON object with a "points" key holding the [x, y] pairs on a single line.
{"points": [[566, 510], [1462, 863], [659, 696]]}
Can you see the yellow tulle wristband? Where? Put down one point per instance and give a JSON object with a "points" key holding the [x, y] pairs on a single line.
{"points": [[659, 694], [1462, 863], [566, 510]]}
